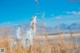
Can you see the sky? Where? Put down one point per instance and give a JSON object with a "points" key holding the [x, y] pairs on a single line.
{"points": [[49, 12]]}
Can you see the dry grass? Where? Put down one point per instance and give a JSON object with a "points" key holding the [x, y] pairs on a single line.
{"points": [[57, 46]]}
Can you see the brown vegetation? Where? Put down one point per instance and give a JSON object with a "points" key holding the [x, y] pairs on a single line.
{"points": [[59, 45]]}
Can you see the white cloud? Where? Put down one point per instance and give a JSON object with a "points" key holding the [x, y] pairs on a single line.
{"points": [[52, 15], [7, 24], [58, 17], [55, 20], [74, 12], [79, 13], [68, 12]]}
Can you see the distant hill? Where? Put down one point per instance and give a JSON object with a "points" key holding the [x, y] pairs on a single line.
{"points": [[74, 27], [10, 28]]}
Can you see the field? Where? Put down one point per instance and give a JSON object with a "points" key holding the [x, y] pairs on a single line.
{"points": [[45, 44]]}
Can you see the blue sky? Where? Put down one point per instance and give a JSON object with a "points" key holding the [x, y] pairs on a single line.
{"points": [[55, 11]]}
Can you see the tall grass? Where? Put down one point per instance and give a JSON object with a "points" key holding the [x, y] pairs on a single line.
{"points": [[59, 46]]}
